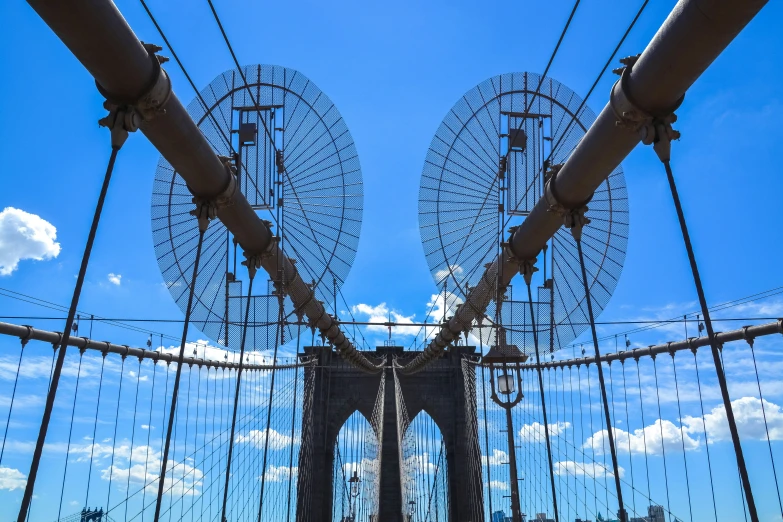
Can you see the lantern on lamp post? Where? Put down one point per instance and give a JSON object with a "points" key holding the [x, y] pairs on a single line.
{"points": [[505, 377], [354, 489]]}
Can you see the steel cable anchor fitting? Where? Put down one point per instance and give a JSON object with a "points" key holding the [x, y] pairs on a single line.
{"points": [[574, 217], [207, 208], [527, 267], [653, 127], [120, 121], [253, 261], [126, 114]]}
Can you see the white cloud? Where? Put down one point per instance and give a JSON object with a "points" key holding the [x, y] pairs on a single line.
{"points": [[142, 378], [443, 305], [277, 440], [750, 421], [589, 469], [438, 307], [205, 350], [422, 463], [498, 458], [115, 279], [25, 236], [747, 412], [21, 401], [39, 367], [756, 308], [535, 432], [366, 465], [12, 479], [498, 485], [381, 314], [181, 479], [441, 274], [650, 439], [280, 473]]}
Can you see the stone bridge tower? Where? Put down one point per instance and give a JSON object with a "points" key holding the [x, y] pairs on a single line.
{"points": [[340, 389]]}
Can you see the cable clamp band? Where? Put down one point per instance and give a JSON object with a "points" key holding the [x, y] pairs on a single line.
{"points": [[226, 198], [630, 113], [120, 121], [253, 261], [26, 337], [748, 338], [462, 326], [155, 94], [573, 217], [575, 220], [654, 127], [207, 208], [527, 267], [550, 191]]}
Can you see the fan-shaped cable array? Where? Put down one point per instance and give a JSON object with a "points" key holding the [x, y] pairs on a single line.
{"points": [[298, 167], [485, 170]]}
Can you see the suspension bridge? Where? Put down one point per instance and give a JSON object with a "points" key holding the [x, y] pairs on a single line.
{"points": [[287, 412]]}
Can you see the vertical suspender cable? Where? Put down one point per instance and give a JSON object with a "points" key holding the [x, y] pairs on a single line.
{"points": [[271, 397], [628, 427], [13, 396], [293, 422], [615, 468], [724, 389], [682, 437], [133, 438], [28, 490], [543, 402], [663, 441], [149, 432], [70, 433], [766, 426], [236, 394], [178, 375], [704, 428], [486, 428], [95, 429]]}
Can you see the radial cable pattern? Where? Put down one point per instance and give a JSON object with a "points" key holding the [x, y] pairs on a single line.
{"points": [[297, 166], [485, 171]]}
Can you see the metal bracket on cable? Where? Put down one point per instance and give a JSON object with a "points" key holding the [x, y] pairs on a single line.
{"points": [[526, 266], [574, 217], [654, 127], [126, 114], [26, 338], [156, 93], [575, 220], [207, 209], [120, 121], [748, 338], [253, 261]]}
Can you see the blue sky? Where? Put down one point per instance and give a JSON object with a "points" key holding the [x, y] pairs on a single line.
{"points": [[394, 70]]}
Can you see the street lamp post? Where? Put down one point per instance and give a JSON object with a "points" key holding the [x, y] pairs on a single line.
{"points": [[354, 490], [504, 359]]}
